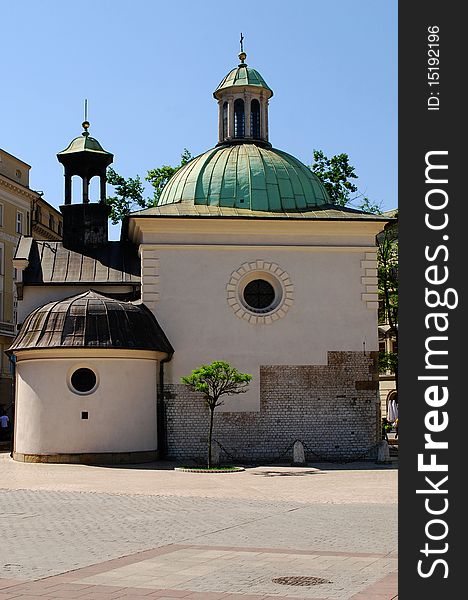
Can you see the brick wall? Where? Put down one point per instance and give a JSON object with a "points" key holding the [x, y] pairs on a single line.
{"points": [[333, 409]]}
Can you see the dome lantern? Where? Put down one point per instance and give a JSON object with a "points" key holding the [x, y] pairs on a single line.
{"points": [[243, 98]]}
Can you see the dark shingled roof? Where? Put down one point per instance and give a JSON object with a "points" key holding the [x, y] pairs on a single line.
{"points": [[91, 320], [50, 262]]}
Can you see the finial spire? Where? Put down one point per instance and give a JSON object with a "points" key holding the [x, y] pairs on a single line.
{"points": [[85, 123], [242, 54]]}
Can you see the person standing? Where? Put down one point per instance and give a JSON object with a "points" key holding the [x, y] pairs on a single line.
{"points": [[385, 427], [4, 422]]}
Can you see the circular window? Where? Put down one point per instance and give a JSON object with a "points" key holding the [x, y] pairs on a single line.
{"points": [[259, 294], [83, 380]]}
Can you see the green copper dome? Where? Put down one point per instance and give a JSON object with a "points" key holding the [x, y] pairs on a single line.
{"points": [[243, 75], [84, 142], [246, 176]]}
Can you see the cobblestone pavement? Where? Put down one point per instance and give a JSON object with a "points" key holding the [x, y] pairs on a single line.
{"points": [[209, 537]]}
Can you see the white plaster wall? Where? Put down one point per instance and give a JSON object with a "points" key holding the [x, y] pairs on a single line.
{"points": [[328, 312], [122, 410]]}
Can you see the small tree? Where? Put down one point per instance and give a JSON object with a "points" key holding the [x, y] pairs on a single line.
{"points": [[214, 381]]}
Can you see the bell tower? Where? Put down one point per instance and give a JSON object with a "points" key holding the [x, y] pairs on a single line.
{"points": [[85, 223], [243, 97]]}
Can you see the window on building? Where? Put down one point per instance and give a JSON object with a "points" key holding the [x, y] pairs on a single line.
{"points": [[225, 120], [60, 228], [1, 215], [255, 119], [239, 118], [1, 280], [83, 381], [38, 214], [51, 223], [18, 174], [259, 294], [19, 222]]}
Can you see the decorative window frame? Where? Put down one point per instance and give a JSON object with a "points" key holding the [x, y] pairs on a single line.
{"points": [[275, 275]]}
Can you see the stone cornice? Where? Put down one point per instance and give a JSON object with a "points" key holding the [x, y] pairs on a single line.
{"points": [[9, 184], [41, 232]]}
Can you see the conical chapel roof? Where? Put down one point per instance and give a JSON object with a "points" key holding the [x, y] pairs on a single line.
{"points": [[91, 320]]}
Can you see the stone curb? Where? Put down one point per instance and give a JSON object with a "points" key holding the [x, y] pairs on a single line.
{"points": [[201, 470]]}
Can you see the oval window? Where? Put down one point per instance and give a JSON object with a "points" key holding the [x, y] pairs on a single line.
{"points": [[259, 294], [83, 380]]}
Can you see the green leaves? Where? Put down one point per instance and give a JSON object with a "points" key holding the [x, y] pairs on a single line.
{"points": [[336, 174], [129, 192], [216, 380], [388, 362], [387, 256]]}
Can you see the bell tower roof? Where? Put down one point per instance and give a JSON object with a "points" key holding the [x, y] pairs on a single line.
{"points": [[85, 224], [84, 143]]}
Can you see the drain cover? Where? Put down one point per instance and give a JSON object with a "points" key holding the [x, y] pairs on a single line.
{"points": [[304, 581]]}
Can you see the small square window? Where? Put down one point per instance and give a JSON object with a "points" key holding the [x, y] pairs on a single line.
{"points": [[84, 415]]}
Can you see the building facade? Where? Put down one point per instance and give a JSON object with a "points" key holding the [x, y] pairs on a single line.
{"points": [[46, 221], [23, 211], [15, 204], [244, 260]]}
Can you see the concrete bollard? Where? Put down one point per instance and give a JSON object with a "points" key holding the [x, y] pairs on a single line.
{"points": [[383, 452], [298, 454]]}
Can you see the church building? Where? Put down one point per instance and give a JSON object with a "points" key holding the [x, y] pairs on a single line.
{"points": [[244, 259]]}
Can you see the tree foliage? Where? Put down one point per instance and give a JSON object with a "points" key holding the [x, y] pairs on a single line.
{"points": [[388, 362], [215, 381], [160, 176], [337, 175], [129, 193], [387, 256]]}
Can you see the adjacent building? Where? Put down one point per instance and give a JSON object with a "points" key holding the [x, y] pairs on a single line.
{"points": [[46, 221], [23, 211], [16, 199]]}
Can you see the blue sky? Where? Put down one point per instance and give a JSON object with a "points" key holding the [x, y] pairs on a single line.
{"points": [[149, 68]]}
